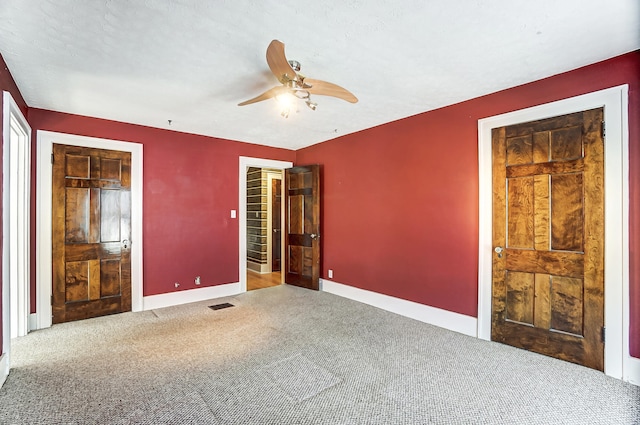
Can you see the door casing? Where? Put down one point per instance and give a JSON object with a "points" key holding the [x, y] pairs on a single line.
{"points": [[16, 153], [46, 139], [245, 162], [16, 158], [615, 103]]}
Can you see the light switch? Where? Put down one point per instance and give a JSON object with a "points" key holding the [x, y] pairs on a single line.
{"points": [[233, 213]]}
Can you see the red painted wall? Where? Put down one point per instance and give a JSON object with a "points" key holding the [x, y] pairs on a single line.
{"points": [[190, 187], [6, 84], [400, 200]]}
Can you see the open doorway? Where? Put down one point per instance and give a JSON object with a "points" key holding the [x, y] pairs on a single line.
{"points": [[264, 233], [16, 159], [15, 204], [258, 265]]}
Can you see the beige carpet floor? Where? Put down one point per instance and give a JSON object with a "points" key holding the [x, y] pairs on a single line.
{"points": [[286, 355]]}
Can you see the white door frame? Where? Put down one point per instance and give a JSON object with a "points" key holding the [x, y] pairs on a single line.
{"points": [[45, 140], [242, 207], [16, 207], [617, 362]]}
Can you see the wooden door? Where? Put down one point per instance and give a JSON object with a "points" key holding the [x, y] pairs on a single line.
{"points": [[302, 225], [548, 234], [91, 232], [276, 224]]}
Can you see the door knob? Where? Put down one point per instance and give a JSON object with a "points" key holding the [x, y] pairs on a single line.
{"points": [[125, 244], [498, 251]]}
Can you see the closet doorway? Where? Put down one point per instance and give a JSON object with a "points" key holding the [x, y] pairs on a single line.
{"points": [[263, 220]]}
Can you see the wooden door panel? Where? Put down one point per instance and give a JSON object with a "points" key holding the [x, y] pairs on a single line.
{"points": [[541, 212], [519, 297], [295, 260], [81, 252], [542, 305], [78, 166], [110, 279], [545, 301], [302, 225], [125, 218], [567, 211], [548, 282], [307, 261], [544, 146], [520, 219], [546, 168], [566, 305], [566, 143], [296, 215], [310, 216], [519, 150], [77, 215], [555, 263], [111, 169], [110, 217], [77, 281], [91, 228], [554, 344]]}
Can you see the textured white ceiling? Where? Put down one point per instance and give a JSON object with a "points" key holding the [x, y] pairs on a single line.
{"points": [[193, 61]]}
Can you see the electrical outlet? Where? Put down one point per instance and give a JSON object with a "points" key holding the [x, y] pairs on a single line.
{"points": [[176, 284], [197, 280], [330, 274]]}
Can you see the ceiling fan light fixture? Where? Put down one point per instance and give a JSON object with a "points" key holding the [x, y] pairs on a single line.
{"points": [[286, 100], [294, 85]]}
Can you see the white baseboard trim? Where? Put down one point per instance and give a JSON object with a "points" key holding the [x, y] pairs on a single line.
{"points": [[33, 321], [190, 295], [632, 371], [4, 368], [435, 316]]}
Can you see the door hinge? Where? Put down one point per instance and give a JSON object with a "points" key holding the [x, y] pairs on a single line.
{"points": [[52, 157], [603, 129], [602, 334], [52, 299]]}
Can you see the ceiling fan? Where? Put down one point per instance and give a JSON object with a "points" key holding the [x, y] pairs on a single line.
{"points": [[294, 83]]}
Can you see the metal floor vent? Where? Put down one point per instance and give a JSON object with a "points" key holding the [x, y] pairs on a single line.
{"points": [[220, 306]]}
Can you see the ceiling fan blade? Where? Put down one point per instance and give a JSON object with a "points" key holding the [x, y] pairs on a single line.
{"points": [[325, 88], [278, 62], [266, 95]]}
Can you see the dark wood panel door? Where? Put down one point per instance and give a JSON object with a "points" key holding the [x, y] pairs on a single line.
{"points": [[276, 224], [302, 224], [91, 232], [548, 234]]}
